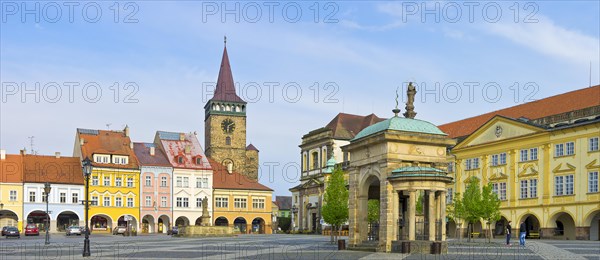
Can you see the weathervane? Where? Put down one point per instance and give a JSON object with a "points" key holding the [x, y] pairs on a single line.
{"points": [[396, 110]]}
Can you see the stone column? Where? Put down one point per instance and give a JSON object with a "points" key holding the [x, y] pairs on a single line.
{"points": [[443, 213], [395, 214], [361, 218], [412, 207], [431, 214]]}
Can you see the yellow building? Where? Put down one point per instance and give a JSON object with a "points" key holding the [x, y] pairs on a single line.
{"points": [[240, 202], [542, 159], [11, 190], [114, 183]]}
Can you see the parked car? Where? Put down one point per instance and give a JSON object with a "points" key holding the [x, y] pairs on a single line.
{"points": [[12, 232], [74, 230], [4, 230], [31, 230], [119, 230], [173, 231]]}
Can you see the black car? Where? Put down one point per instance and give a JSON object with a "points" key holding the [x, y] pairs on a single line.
{"points": [[174, 231], [12, 232], [4, 230]]}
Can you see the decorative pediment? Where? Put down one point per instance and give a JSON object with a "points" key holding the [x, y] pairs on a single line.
{"points": [[183, 192], [498, 176], [499, 128], [593, 165], [564, 167], [312, 183], [201, 194], [529, 169]]}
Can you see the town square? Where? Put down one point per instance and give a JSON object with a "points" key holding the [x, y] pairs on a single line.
{"points": [[300, 130]]}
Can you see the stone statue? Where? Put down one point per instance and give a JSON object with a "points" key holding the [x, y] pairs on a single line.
{"points": [[410, 107], [205, 218]]}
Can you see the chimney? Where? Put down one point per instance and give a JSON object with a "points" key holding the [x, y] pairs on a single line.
{"points": [[188, 149], [230, 168], [130, 145], [2, 154], [152, 152], [57, 155], [181, 137], [126, 130], [23, 151], [81, 141]]}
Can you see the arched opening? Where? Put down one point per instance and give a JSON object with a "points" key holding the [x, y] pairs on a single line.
{"points": [[477, 229], [38, 218], [564, 225], [593, 221], [239, 225], [182, 221], [451, 229], [500, 227], [258, 226], [148, 224], [8, 218], [66, 219], [222, 222], [130, 223], [101, 223], [198, 222], [163, 224], [532, 224], [370, 190]]}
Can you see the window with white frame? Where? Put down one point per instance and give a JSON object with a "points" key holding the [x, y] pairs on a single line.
{"points": [[475, 163], [118, 159], [148, 201], [559, 150], [118, 202], [43, 196], [533, 154], [502, 158], [106, 180], [570, 148], [221, 202], [258, 203], [129, 182], [533, 188], [106, 201], [163, 201], [179, 182], [118, 181], [179, 202], [449, 196], [524, 156], [240, 203], [63, 197], [101, 158], [467, 164], [148, 180], [186, 182], [163, 181], [94, 180], [186, 202], [31, 196], [495, 160], [198, 202], [569, 183], [201, 182], [592, 182], [75, 198], [500, 190], [94, 201], [558, 185], [593, 144], [563, 185], [130, 203], [524, 189]]}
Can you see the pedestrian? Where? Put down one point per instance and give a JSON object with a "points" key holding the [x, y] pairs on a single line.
{"points": [[508, 233], [522, 231]]}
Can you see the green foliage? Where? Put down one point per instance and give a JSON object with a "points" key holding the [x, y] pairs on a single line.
{"points": [[420, 204], [490, 207], [471, 201], [335, 208], [373, 211], [284, 223]]}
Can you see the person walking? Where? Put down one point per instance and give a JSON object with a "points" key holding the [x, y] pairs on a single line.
{"points": [[508, 233], [523, 232]]}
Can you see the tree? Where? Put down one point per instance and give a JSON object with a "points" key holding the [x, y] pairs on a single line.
{"points": [[472, 204], [419, 206], [490, 207], [373, 211], [284, 223], [456, 211], [335, 208]]}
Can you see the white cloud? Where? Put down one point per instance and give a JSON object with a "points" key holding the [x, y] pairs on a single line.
{"points": [[548, 38]]}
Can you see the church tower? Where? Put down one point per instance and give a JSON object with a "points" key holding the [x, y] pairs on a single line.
{"points": [[225, 126]]}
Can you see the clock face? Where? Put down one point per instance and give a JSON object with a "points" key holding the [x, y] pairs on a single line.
{"points": [[228, 125]]}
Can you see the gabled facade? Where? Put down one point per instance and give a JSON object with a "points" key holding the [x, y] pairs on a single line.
{"points": [[66, 195], [11, 190], [192, 175], [115, 179], [156, 182]]}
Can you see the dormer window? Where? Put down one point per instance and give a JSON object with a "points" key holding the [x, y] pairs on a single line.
{"points": [[101, 158], [198, 160], [119, 159], [180, 159]]}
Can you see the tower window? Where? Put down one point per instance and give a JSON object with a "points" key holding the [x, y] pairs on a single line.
{"points": [[228, 140]]}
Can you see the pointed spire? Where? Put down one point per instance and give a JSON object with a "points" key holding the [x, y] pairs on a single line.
{"points": [[225, 90], [410, 107]]}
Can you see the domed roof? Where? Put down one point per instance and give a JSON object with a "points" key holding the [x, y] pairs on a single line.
{"points": [[330, 165], [400, 124]]}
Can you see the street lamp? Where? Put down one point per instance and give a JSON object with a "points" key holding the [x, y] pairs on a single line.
{"points": [[87, 171], [47, 189]]}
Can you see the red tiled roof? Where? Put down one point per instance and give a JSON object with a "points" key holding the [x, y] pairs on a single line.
{"points": [[142, 151], [43, 168], [566, 102], [222, 179], [11, 169], [175, 148], [251, 147], [346, 126], [107, 142], [225, 90]]}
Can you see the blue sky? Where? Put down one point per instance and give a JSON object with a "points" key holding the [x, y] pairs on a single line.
{"points": [[166, 54]]}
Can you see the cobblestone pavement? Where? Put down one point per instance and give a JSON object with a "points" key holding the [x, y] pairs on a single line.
{"points": [[273, 247]]}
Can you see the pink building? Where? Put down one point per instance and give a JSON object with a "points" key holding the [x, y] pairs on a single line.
{"points": [[156, 188]]}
